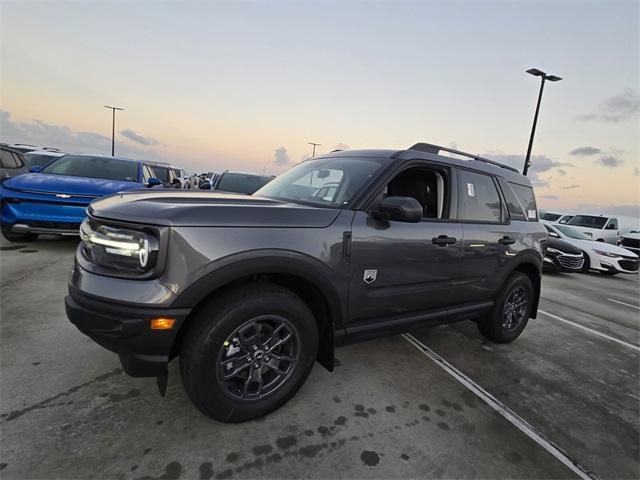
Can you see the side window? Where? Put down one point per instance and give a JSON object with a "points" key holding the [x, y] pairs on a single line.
{"points": [[146, 173], [429, 186], [478, 198], [516, 211], [527, 200], [613, 224], [19, 162], [7, 160]]}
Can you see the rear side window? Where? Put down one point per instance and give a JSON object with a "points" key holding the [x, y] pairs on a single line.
{"points": [[478, 198], [9, 160], [526, 199], [516, 211]]}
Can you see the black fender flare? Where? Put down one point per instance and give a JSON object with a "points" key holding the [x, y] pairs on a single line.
{"points": [[534, 259]]}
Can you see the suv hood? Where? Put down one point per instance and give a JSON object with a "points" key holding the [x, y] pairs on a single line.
{"points": [[202, 208], [82, 186]]}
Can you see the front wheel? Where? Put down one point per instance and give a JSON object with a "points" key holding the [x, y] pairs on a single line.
{"points": [[511, 310], [248, 352]]}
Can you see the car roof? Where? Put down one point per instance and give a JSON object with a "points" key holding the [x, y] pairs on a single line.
{"points": [[48, 153], [425, 151]]}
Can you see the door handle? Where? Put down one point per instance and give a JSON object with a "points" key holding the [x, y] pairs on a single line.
{"points": [[443, 240], [506, 241]]}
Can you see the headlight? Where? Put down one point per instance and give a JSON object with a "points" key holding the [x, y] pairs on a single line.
{"points": [[117, 248], [607, 254]]}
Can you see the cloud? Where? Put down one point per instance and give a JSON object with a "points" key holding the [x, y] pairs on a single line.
{"points": [[570, 187], [584, 151], [539, 164], [636, 171], [619, 108], [610, 161], [549, 197], [562, 171], [131, 135], [42, 133], [281, 157], [341, 146], [304, 157]]}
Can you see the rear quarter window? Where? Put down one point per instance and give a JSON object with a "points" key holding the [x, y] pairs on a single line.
{"points": [[527, 200]]}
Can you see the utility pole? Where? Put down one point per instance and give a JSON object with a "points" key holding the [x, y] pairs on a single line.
{"points": [[544, 77], [113, 127], [314, 148]]}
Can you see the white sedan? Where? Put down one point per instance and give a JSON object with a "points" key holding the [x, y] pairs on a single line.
{"points": [[606, 258]]}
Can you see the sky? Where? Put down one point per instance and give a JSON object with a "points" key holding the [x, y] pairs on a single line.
{"points": [[246, 85]]}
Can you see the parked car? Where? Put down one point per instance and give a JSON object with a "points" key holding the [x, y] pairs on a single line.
{"points": [[630, 241], [234, 182], [561, 256], [249, 291], [39, 158], [55, 199], [183, 177], [552, 217], [600, 256], [597, 227], [12, 163], [166, 174]]}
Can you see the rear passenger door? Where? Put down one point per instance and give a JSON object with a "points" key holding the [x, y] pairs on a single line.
{"points": [[487, 237]]}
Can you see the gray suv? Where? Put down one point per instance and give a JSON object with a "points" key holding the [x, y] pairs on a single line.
{"points": [[249, 291]]}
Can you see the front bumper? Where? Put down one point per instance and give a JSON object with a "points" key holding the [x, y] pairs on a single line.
{"points": [[619, 264], [23, 213], [126, 331]]}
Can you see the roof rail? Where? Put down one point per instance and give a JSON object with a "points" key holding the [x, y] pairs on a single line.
{"points": [[435, 149]]}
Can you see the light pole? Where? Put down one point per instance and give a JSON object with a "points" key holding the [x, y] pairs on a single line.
{"points": [[314, 148], [113, 127], [544, 77]]}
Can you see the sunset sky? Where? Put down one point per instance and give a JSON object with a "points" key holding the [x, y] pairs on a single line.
{"points": [[245, 85]]}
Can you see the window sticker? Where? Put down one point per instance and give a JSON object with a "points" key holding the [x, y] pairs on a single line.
{"points": [[532, 214], [470, 190]]}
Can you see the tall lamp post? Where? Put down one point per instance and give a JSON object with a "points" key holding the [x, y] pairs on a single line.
{"points": [[544, 77], [113, 127], [314, 148]]}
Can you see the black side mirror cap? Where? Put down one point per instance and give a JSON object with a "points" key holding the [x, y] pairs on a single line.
{"points": [[399, 209]]}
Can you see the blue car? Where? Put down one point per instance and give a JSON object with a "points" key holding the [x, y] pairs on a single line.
{"points": [[53, 198]]}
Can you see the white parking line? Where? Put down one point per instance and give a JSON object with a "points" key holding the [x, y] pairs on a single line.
{"points": [[622, 303], [501, 408], [590, 330]]}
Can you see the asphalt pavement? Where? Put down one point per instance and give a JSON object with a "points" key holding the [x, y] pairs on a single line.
{"points": [[560, 402]]}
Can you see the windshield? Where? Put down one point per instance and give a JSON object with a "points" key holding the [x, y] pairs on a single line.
{"points": [[162, 173], [241, 183], [590, 221], [94, 167], [39, 159], [325, 182], [572, 232], [550, 217]]}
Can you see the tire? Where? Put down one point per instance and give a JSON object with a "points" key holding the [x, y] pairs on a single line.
{"points": [[497, 326], [19, 237], [587, 263], [222, 330]]}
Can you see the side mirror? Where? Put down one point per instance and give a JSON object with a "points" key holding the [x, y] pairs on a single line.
{"points": [[154, 182], [554, 235], [400, 209], [35, 169], [206, 185]]}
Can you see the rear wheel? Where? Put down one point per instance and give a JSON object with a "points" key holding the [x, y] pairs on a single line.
{"points": [[248, 352], [19, 237], [511, 310]]}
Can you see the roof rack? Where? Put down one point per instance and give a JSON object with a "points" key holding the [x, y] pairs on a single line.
{"points": [[435, 149]]}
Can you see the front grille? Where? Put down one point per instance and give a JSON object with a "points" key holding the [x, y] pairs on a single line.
{"points": [[630, 242], [630, 265], [38, 225], [571, 262]]}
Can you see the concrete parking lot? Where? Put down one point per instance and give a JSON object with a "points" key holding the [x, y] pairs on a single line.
{"points": [[561, 402]]}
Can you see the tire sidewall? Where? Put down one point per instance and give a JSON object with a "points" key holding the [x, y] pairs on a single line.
{"points": [[212, 398], [496, 330]]}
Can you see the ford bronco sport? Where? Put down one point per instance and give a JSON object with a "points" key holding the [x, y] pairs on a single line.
{"points": [[249, 291]]}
